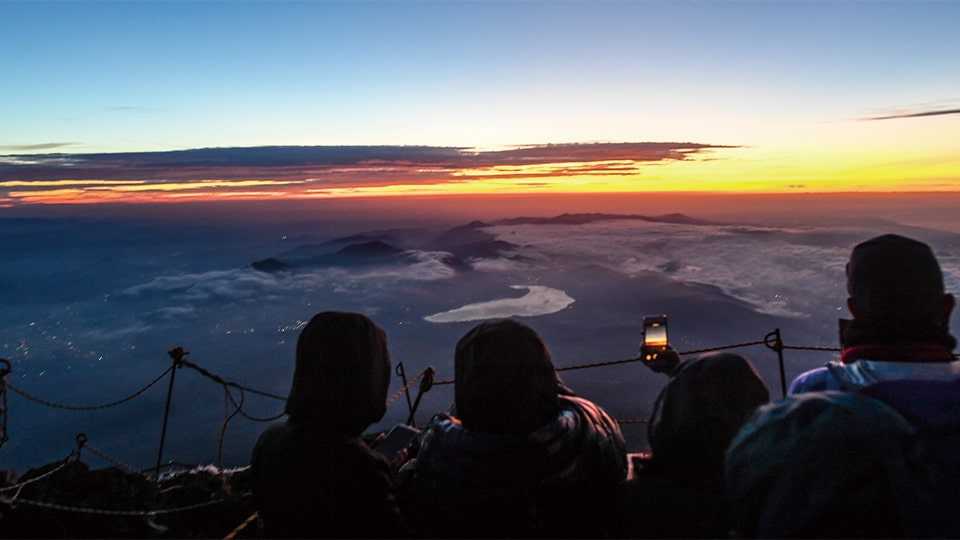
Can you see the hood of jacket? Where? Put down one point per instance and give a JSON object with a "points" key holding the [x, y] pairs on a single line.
{"points": [[582, 443], [865, 372]]}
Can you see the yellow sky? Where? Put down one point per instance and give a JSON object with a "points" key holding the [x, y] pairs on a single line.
{"points": [[915, 155]]}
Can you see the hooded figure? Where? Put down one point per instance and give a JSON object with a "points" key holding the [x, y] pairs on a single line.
{"points": [[900, 326], [822, 464], [342, 373], [313, 475], [679, 491], [524, 456]]}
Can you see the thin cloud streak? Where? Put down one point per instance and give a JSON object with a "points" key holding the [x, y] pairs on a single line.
{"points": [[40, 146], [921, 114]]}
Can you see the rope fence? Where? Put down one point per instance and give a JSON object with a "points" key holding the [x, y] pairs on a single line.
{"points": [[5, 368], [111, 512], [20, 485], [126, 467], [63, 406], [239, 528], [235, 401]]}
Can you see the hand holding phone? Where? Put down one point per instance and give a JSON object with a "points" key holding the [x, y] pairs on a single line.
{"points": [[397, 440], [656, 352]]}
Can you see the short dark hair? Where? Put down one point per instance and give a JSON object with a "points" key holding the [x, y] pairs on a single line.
{"points": [[893, 272], [505, 380], [897, 287], [342, 373]]}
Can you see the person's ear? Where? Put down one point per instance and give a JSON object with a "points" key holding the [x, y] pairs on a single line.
{"points": [[852, 307]]}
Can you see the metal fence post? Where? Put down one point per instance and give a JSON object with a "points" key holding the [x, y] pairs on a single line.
{"points": [[177, 355], [5, 369], [402, 373], [426, 383], [774, 341]]}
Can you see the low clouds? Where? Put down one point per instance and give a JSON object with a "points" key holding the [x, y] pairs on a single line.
{"points": [[784, 272], [539, 300], [31, 147], [239, 284], [780, 272]]}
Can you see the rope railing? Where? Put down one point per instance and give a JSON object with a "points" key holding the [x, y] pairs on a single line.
{"points": [[67, 407], [235, 402], [125, 467], [111, 512], [19, 485], [239, 528], [4, 370], [74, 456], [636, 359], [820, 349]]}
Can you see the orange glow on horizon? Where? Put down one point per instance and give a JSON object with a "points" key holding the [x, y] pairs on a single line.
{"points": [[733, 170]]}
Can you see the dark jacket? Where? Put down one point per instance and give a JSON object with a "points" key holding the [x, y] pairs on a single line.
{"points": [[559, 480], [679, 492], [672, 502], [933, 409], [311, 484], [822, 464]]}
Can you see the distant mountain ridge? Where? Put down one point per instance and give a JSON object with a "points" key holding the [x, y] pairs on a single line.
{"points": [[464, 243], [583, 219]]}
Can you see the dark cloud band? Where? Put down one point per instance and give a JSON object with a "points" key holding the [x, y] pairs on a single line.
{"points": [[305, 162], [921, 114]]}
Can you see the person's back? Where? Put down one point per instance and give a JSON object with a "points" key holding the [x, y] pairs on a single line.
{"points": [[679, 492], [313, 484], [524, 457], [822, 464], [313, 476], [933, 409], [900, 327]]}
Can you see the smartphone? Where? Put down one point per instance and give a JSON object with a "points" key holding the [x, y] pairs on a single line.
{"points": [[654, 336], [397, 440]]}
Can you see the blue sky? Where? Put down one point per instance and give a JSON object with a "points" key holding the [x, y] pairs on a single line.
{"points": [[142, 76]]}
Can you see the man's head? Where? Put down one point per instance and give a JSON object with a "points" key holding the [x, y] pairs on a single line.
{"points": [[896, 289], [342, 373], [506, 383]]}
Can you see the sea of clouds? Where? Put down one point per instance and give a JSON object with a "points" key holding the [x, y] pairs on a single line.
{"points": [[786, 272]]}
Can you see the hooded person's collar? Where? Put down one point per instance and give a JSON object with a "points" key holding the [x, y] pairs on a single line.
{"points": [[914, 352], [864, 372]]}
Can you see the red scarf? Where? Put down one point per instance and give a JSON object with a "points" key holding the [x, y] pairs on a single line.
{"points": [[917, 352]]}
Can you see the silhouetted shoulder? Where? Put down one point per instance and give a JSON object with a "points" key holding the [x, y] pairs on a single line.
{"points": [[815, 380], [310, 484]]}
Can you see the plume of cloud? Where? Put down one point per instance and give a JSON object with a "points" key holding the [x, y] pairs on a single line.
{"points": [[38, 146], [916, 114]]}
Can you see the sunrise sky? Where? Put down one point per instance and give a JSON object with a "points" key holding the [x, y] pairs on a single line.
{"points": [[321, 100]]}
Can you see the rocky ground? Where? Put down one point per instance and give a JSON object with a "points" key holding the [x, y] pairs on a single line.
{"points": [[77, 485]]}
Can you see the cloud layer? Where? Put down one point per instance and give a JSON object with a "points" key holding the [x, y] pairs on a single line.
{"points": [[786, 272], [314, 171], [32, 147], [539, 300]]}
